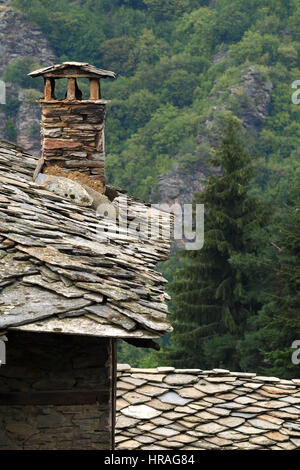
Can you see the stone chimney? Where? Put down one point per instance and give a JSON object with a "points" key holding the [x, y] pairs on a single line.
{"points": [[73, 128]]}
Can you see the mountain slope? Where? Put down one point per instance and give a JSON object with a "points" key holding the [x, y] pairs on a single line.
{"points": [[22, 43], [183, 67]]}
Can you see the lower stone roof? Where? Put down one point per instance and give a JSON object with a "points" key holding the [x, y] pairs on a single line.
{"points": [[191, 409]]}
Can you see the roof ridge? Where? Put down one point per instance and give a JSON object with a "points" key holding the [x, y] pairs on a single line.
{"points": [[84, 66], [126, 368]]}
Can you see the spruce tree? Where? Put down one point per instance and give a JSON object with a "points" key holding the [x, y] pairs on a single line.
{"points": [[210, 291], [268, 343]]}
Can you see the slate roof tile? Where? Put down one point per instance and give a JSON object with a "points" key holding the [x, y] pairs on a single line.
{"points": [[57, 273], [208, 422]]}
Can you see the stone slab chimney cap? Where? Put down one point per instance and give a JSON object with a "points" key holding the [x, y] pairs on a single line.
{"points": [[69, 69]]}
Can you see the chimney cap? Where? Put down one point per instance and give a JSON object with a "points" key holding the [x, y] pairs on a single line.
{"points": [[72, 69]]}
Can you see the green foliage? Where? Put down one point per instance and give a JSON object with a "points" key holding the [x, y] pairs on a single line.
{"points": [[116, 54], [11, 130], [32, 95], [136, 357], [34, 130], [11, 107], [211, 292], [169, 8], [256, 47], [11, 110], [288, 54], [231, 22], [147, 50], [17, 72], [272, 332], [166, 130], [294, 19], [175, 88], [196, 30], [78, 31]]}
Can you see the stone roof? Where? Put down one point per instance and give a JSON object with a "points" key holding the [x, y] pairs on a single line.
{"points": [[56, 272], [65, 67], [167, 408]]}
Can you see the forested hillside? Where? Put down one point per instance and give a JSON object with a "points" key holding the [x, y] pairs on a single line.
{"points": [[184, 68]]}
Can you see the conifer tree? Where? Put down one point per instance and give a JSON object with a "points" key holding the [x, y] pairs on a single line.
{"points": [[210, 291], [268, 343]]}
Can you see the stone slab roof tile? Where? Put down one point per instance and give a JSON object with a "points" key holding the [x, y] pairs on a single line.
{"points": [[73, 66], [220, 418], [58, 273]]}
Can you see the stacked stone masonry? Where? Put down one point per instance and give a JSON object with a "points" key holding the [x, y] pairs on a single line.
{"points": [[73, 136], [167, 408], [48, 389]]}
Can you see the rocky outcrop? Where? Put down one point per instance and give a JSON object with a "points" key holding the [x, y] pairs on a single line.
{"points": [[19, 39], [173, 186], [28, 125], [5, 2], [3, 129], [258, 91]]}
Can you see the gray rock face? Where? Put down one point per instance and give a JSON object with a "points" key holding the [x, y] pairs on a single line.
{"points": [[19, 38], [99, 200], [28, 123], [258, 91], [180, 183]]}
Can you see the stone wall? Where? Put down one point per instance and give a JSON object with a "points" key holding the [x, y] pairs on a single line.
{"points": [[55, 392], [73, 136]]}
